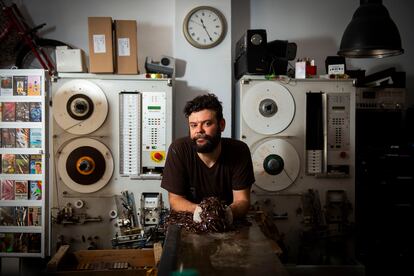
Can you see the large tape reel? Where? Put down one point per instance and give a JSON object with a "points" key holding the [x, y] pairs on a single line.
{"points": [[85, 165], [276, 164], [80, 107], [268, 107]]}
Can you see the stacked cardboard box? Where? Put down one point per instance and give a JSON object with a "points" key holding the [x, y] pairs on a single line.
{"points": [[103, 41], [126, 46]]}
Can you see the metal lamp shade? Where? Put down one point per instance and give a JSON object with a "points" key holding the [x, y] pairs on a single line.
{"points": [[371, 33]]}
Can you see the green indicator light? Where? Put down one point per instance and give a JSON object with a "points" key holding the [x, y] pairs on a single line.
{"points": [[154, 107]]}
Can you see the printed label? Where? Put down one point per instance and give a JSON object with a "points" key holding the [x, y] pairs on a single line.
{"points": [[99, 44], [124, 49]]}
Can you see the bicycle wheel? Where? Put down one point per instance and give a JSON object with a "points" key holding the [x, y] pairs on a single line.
{"points": [[27, 60]]}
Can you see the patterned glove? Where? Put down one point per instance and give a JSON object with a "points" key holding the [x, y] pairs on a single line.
{"points": [[197, 213]]}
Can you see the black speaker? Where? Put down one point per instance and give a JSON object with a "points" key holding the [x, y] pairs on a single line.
{"points": [[251, 54]]}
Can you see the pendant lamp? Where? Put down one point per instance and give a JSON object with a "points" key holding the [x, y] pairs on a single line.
{"points": [[371, 33]]}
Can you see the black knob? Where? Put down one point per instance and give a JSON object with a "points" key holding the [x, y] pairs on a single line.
{"points": [[273, 164]]}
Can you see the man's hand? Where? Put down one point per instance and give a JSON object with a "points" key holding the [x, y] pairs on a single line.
{"points": [[197, 213], [229, 216]]}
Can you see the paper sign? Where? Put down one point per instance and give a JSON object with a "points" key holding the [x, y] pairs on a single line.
{"points": [[124, 48], [99, 44]]}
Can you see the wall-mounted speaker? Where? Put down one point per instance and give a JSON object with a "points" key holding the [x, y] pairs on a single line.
{"points": [[251, 54]]}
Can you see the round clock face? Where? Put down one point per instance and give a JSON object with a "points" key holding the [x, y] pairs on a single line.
{"points": [[204, 27]]}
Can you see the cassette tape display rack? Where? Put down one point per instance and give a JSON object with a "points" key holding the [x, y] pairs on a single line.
{"points": [[24, 163]]}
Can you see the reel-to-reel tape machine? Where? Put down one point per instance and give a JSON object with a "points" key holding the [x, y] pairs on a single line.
{"points": [[103, 124], [301, 134]]}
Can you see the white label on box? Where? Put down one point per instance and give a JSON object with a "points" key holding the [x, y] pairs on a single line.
{"points": [[124, 50], [336, 69], [99, 44]]}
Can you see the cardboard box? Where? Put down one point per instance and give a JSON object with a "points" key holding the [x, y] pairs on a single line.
{"points": [[126, 46], [123, 262], [70, 60], [101, 56]]}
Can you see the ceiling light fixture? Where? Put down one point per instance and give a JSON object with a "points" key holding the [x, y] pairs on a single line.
{"points": [[371, 33]]}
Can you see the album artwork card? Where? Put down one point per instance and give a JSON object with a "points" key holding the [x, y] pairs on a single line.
{"points": [[8, 112], [6, 218], [20, 243], [20, 85], [21, 191], [22, 163], [35, 190], [35, 112], [7, 189], [8, 137], [34, 216], [20, 214], [6, 87], [33, 85], [35, 137], [36, 164], [8, 162], [34, 243], [22, 112], [22, 137]]}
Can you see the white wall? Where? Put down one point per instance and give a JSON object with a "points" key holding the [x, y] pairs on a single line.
{"points": [[316, 26], [206, 70]]}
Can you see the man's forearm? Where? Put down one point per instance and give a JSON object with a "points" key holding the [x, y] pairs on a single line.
{"points": [[179, 203], [240, 208]]}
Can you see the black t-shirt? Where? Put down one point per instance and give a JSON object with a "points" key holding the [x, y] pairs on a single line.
{"points": [[186, 174]]}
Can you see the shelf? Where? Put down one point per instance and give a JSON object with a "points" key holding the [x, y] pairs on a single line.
{"points": [[21, 151], [21, 124], [22, 202], [20, 98], [21, 177], [20, 229], [15, 254], [26, 93]]}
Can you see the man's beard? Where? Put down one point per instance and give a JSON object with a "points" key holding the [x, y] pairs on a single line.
{"points": [[211, 142]]}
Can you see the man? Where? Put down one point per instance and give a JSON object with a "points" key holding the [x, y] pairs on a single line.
{"points": [[206, 165]]}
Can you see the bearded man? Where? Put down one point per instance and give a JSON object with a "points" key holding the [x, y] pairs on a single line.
{"points": [[206, 165]]}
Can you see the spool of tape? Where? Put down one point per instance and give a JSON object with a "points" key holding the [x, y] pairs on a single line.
{"points": [[80, 107], [268, 108], [276, 164], [113, 214], [79, 203], [85, 165]]}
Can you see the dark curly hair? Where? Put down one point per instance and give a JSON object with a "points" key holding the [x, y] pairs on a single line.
{"points": [[207, 101]]}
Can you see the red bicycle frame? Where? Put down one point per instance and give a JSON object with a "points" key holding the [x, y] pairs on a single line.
{"points": [[14, 19]]}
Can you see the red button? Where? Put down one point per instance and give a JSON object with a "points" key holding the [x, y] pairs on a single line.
{"points": [[158, 156]]}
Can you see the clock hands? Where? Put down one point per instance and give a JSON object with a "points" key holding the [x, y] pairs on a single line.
{"points": [[204, 27], [195, 22]]}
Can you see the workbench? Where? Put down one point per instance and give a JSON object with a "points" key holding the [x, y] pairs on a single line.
{"points": [[244, 251]]}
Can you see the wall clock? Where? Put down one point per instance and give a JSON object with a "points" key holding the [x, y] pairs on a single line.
{"points": [[204, 27]]}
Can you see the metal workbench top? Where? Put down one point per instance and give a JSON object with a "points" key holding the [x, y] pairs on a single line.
{"points": [[245, 251]]}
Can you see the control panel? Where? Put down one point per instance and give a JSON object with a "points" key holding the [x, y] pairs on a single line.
{"points": [[380, 98], [338, 131], [153, 129]]}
